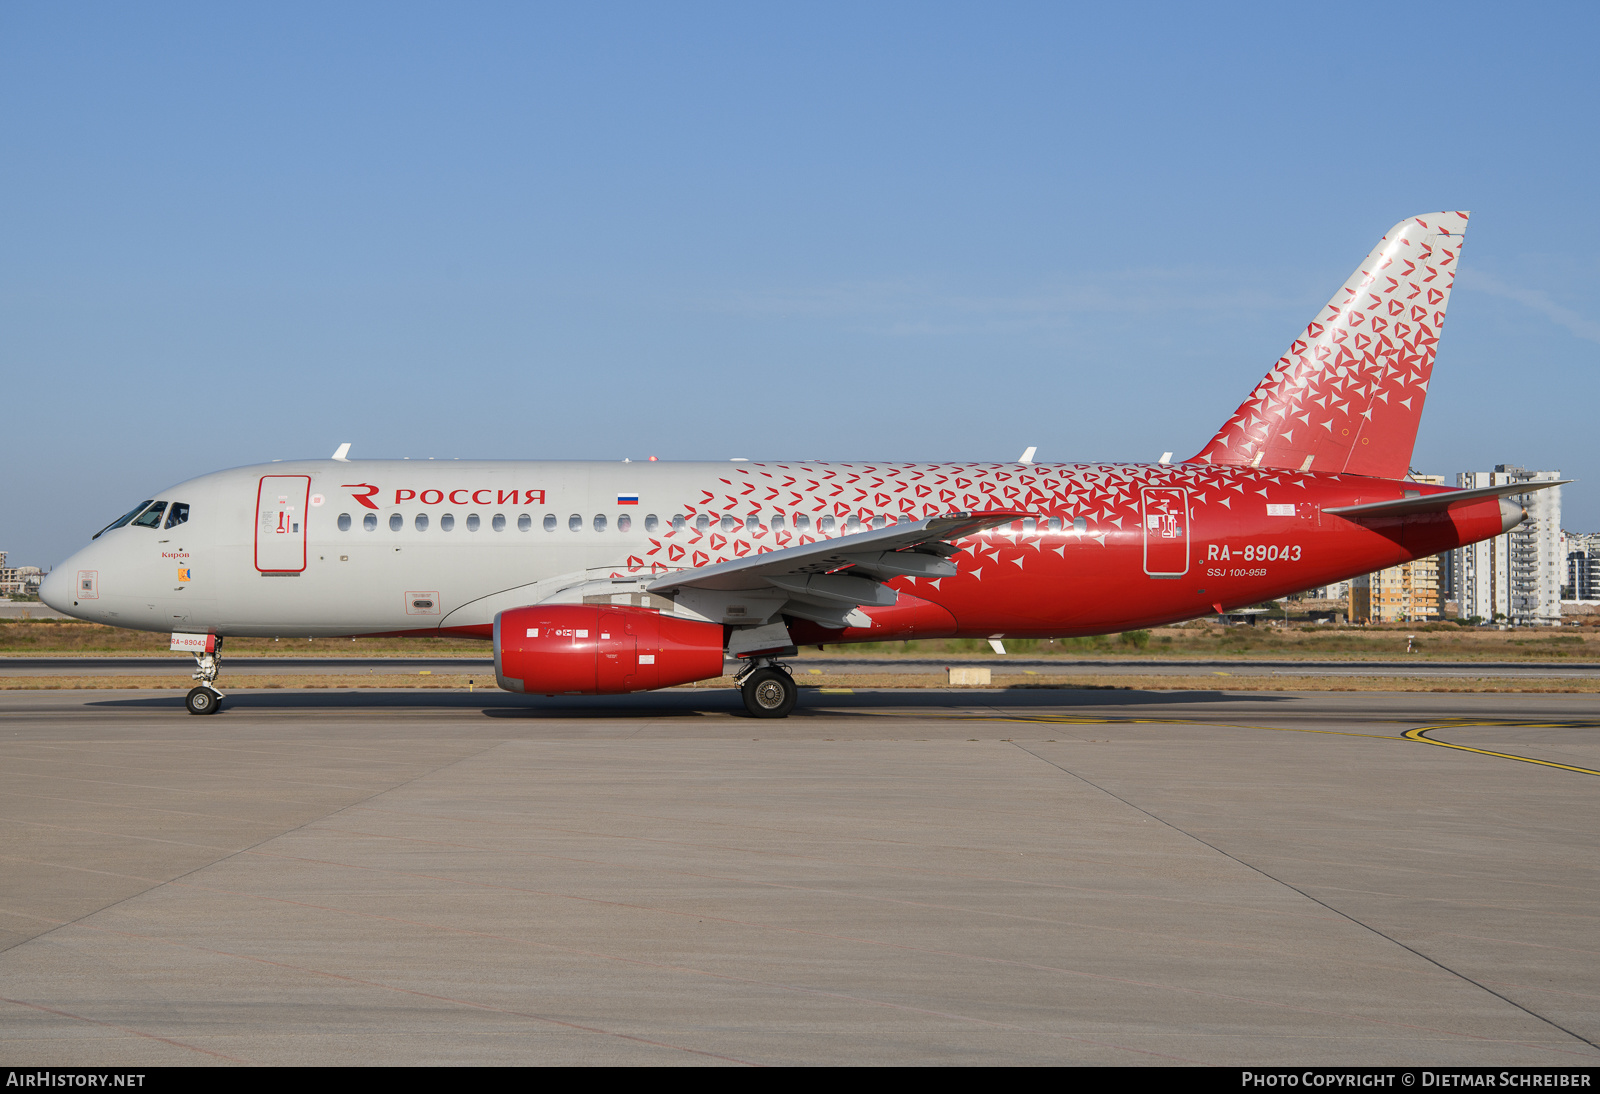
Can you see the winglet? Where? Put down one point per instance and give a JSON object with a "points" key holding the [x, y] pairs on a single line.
{"points": [[343, 453]]}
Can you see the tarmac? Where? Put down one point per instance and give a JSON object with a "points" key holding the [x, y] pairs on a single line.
{"points": [[112, 665], [886, 877], [28, 609]]}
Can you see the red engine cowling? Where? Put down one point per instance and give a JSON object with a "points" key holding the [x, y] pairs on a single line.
{"points": [[584, 649]]}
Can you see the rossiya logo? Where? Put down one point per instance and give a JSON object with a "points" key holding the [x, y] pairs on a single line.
{"points": [[364, 498], [364, 492]]}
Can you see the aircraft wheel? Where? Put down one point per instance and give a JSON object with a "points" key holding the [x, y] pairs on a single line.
{"points": [[769, 693], [203, 701]]}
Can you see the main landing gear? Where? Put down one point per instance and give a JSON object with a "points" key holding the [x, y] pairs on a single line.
{"points": [[206, 699], [768, 689]]}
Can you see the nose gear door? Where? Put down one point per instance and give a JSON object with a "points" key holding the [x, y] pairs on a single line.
{"points": [[281, 523], [1165, 512]]}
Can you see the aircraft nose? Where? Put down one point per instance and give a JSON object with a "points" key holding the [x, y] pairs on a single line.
{"points": [[56, 591]]}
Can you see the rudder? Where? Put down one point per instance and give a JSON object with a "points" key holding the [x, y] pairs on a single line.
{"points": [[1348, 395]]}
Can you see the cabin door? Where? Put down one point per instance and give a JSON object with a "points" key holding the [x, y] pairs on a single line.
{"points": [[1165, 510], [281, 523]]}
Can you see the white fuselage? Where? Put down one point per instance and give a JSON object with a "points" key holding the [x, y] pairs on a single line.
{"points": [[351, 560]]}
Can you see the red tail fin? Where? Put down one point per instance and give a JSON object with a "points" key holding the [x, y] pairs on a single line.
{"points": [[1348, 395]]}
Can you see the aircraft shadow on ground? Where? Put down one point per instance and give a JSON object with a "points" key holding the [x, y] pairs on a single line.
{"points": [[691, 704]]}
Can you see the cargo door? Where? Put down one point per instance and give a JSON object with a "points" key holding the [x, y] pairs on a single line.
{"points": [[1166, 531], [619, 652], [281, 523]]}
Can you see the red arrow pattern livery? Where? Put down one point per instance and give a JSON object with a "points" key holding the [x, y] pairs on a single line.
{"points": [[1304, 485]]}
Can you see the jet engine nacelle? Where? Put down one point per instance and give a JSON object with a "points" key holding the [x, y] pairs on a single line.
{"points": [[583, 649]]}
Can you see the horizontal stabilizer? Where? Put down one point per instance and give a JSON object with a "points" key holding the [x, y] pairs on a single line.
{"points": [[1438, 503]]}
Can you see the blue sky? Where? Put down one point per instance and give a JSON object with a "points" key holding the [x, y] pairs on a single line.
{"points": [[918, 231]]}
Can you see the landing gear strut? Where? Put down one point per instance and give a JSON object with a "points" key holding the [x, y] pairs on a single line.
{"points": [[768, 689], [206, 699]]}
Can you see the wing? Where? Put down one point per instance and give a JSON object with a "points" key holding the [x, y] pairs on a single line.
{"points": [[828, 580]]}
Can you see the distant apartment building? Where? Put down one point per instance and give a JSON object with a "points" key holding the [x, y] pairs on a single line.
{"points": [[1516, 577], [19, 580], [1338, 591], [1407, 593], [1582, 552]]}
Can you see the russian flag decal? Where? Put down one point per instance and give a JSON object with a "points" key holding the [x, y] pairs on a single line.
{"points": [[627, 499]]}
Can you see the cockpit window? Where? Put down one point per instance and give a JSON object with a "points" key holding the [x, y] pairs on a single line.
{"points": [[151, 517], [178, 514], [123, 519]]}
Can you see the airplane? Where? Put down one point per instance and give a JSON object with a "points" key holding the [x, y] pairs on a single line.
{"points": [[607, 578]]}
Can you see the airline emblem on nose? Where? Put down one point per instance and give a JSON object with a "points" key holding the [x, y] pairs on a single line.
{"points": [[184, 573]]}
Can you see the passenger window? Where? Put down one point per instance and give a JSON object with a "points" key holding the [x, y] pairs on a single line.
{"points": [[702, 522], [729, 522], [852, 524], [678, 523], [178, 515], [525, 523], [370, 522], [549, 522], [421, 522], [1054, 524], [1029, 526], [395, 522], [599, 522], [651, 522], [447, 523], [1079, 525], [344, 522], [879, 521], [802, 522], [825, 525], [777, 522], [472, 522], [151, 517], [624, 522], [575, 522], [499, 523], [751, 523]]}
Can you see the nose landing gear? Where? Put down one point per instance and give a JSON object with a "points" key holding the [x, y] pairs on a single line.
{"points": [[206, 699], [203, 701], [767, 688]]}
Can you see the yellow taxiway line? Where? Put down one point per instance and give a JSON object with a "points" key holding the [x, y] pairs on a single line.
{"points": [[1421, 734]]}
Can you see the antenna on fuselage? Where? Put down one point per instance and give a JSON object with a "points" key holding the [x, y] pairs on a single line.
{"points": [[1027, 457], [343, 453]]}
